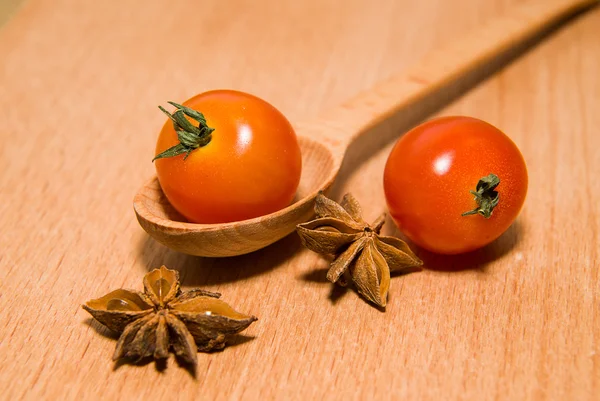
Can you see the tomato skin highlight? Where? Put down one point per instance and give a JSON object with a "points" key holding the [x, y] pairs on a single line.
{"points": [[432, 168], [251, 166]]}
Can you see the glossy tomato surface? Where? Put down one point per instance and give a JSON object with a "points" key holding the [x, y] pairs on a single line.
{"points": [[431, 170], [250, 167]]}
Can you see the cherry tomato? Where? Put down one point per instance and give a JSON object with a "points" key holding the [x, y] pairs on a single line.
{"points": [[249, 167], [431, 172]]}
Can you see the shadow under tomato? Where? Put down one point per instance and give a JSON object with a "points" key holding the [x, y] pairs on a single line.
{"points": [[202, 271], [476, 260]]}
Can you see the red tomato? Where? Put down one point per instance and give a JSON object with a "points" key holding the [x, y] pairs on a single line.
{"points": [[429, 175], [250, 166]]}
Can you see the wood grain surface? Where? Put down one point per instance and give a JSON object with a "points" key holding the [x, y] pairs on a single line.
{"points": [[518, 320]]}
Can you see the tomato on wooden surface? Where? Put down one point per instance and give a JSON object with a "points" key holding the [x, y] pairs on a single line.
{"points": [[226, 156], [429, 176]]}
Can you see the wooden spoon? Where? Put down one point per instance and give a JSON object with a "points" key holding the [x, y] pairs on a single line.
{"points": [[324, 142]]}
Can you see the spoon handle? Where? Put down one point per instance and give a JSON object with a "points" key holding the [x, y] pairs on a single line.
{"points": [[431, 80]]}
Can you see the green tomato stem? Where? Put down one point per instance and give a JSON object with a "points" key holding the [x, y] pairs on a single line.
{"points": [[190, 137], [486, 196]]}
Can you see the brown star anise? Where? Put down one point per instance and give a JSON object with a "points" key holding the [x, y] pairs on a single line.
{"points": [[163, 317], [357, 247]]}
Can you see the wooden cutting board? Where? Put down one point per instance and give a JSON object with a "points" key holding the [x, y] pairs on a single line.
{"points": [[80, 82]]}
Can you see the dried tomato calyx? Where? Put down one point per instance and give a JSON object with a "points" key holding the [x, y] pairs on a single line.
{"points": [[486, 196], [190, 137]]}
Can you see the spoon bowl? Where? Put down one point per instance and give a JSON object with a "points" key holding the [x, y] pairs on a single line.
{"points": [[157, 217], [324, 142]]}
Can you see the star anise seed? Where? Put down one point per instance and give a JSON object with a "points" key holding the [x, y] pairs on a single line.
{"points": [[164, 318], [340, 231]]}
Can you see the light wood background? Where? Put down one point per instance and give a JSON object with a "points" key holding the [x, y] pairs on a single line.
{"points": [[79, 86]]}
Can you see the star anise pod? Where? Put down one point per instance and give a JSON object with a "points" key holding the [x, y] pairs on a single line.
{"points": [[164, 318], [357, 247]]}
